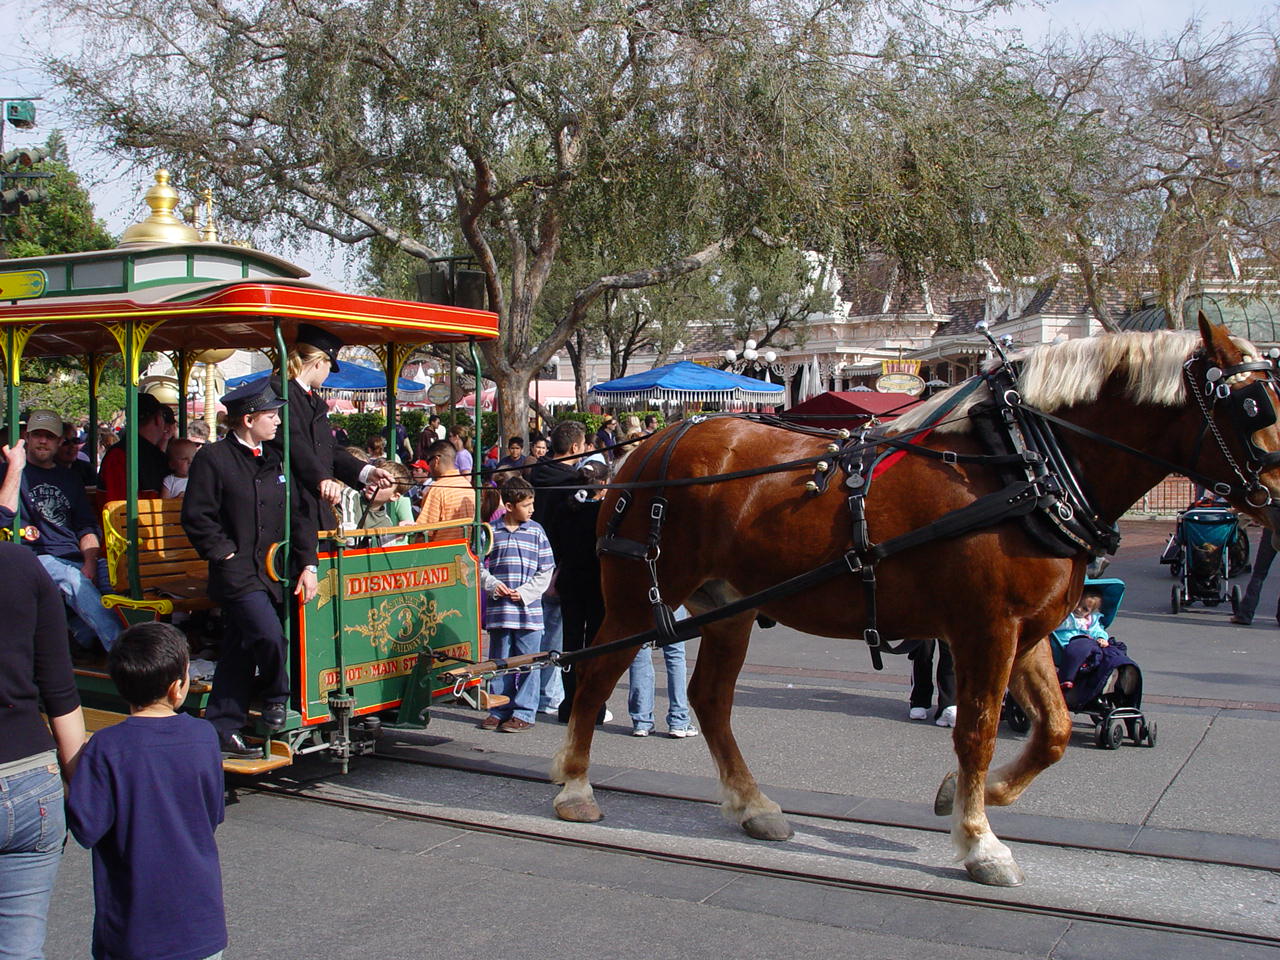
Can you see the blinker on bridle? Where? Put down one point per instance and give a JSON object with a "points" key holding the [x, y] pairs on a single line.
{"points": [[1249, 408]]}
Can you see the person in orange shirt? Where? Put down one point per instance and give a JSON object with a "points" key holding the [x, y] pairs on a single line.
{"points": [[450, 496]]}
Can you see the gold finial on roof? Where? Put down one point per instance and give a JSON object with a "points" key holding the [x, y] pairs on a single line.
{"points": [[161, 226], [209, 233]]}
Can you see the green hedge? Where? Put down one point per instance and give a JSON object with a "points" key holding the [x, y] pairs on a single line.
{"points": [[361, 426], [592, 421]]}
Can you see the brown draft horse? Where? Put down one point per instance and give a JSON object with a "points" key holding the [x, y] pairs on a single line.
{"points": [[993, 595]]}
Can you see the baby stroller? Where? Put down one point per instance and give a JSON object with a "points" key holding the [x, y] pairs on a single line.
{"points": [[1108, 687], [1206, 549]]}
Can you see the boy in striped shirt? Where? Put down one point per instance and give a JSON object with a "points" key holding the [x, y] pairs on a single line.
{"points": [[516, 574]]}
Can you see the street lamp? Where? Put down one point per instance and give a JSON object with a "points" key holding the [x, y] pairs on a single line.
{"points": [[750, 360]]}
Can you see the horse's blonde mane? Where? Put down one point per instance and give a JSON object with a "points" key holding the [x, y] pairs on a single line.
{"points": [[1064, 374]]}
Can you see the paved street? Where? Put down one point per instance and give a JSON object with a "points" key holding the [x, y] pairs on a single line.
{"points": [[829, 739]]}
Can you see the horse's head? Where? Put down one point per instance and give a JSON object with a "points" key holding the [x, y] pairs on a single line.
{"points": [[1239, 397]]}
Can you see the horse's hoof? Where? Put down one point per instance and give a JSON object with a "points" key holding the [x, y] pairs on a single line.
{"points": [[768, 826], [996, 873], [579, 811], [945, 801]]}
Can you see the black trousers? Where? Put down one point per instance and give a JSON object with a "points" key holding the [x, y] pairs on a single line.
{"points": [[582, 618], [922, 679], [251, 640]]}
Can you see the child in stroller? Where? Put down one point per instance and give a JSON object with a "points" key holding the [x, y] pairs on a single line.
{"points": [[1098, 678]]}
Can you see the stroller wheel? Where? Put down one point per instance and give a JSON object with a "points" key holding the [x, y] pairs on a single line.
{"points": [[1115, 735], [1175, 600], [1149, 733]]}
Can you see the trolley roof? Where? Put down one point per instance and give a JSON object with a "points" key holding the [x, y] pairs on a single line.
{"points": [[208, 296]]}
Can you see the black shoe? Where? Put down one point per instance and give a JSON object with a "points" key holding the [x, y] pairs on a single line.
{"points": [[273, 716], [234, 748]]}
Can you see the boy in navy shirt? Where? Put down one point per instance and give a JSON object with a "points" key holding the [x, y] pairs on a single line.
{"points": [[147, 797]]}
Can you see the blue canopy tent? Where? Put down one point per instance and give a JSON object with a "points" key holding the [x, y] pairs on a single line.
{"points": [[352, 378], [688, 382]]}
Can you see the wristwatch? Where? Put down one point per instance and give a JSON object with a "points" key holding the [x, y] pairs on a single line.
{"points": [[311, 568]]}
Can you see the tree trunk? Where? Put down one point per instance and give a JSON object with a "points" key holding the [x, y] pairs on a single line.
{"points": [[513, 389]]}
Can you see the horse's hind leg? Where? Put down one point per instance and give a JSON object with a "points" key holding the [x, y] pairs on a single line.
{"points": [[1034, 684], [982, 673], [596, 679], [720, 658]]}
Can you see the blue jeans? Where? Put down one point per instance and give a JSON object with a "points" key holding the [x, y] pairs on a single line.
{"points": [[82, 597], [522, 688], [550, 685], [33, 826], [641, 680]]}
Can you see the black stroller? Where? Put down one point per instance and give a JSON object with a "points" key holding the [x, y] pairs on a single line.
{"points": [[1108, 687], [1206, 549]]}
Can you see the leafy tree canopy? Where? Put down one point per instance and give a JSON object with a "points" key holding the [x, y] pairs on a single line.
{"points": [[653, 136]]}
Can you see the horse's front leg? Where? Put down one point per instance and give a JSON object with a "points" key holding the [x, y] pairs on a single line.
{"points": [[1034, 684], [720, 658], [982, 673], [597, 677]]}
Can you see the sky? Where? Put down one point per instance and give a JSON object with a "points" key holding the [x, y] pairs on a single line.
{"points": [[117, 192]]}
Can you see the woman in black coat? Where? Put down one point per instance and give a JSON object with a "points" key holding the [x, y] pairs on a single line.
{"points": [[319, 467]]}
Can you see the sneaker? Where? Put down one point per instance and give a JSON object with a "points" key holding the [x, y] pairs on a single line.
{"points": [[683, 733], [489, 723], [918, 713], [947, 718], [640, 732], [552, 711], [514, 725], [608, 716]]}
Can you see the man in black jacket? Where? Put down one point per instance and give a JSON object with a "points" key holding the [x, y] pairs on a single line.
{"points": [[233, 512], [568, 441]]}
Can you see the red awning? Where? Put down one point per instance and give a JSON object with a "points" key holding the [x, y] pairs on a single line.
{"points": [[836, 409]]}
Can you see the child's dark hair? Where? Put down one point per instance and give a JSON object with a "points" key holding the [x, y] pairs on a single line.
{"points": [[1092, 592], [145, 659], [516, 490]]}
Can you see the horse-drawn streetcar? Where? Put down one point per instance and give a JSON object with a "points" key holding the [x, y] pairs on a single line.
{"points": [[385, 621]]}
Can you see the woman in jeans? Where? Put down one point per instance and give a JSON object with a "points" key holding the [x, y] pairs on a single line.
{"points": [[35, 669]]}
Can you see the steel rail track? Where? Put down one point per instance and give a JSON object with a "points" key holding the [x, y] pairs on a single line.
{"points": [[773, 873], [942, 828]]}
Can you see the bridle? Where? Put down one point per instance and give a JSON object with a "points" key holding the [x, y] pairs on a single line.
{"points": [[1248, 409]]}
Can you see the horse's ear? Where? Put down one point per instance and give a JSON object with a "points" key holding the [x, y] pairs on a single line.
{"points": [[1218, 345]]}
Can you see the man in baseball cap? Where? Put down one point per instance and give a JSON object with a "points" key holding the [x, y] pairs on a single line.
{"points": [[62, 531]]}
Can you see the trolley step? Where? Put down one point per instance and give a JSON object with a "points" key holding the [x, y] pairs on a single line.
{"points": [[281, 756]]}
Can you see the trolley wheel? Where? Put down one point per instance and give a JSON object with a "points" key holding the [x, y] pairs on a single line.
{"points": [[1149, 733], [1115, 735], [1019, 722], [1175, 600], [1234, 596], [1175, 568], [1100, 735]]}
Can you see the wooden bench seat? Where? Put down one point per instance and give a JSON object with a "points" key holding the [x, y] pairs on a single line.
{"points": [[172, 575]]}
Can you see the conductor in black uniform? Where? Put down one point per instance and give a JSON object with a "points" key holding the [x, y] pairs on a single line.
{"points": [[319, 466], [233, 511]]}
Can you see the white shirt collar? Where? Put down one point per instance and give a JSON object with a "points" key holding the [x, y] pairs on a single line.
{"points": [[255, 448]]}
